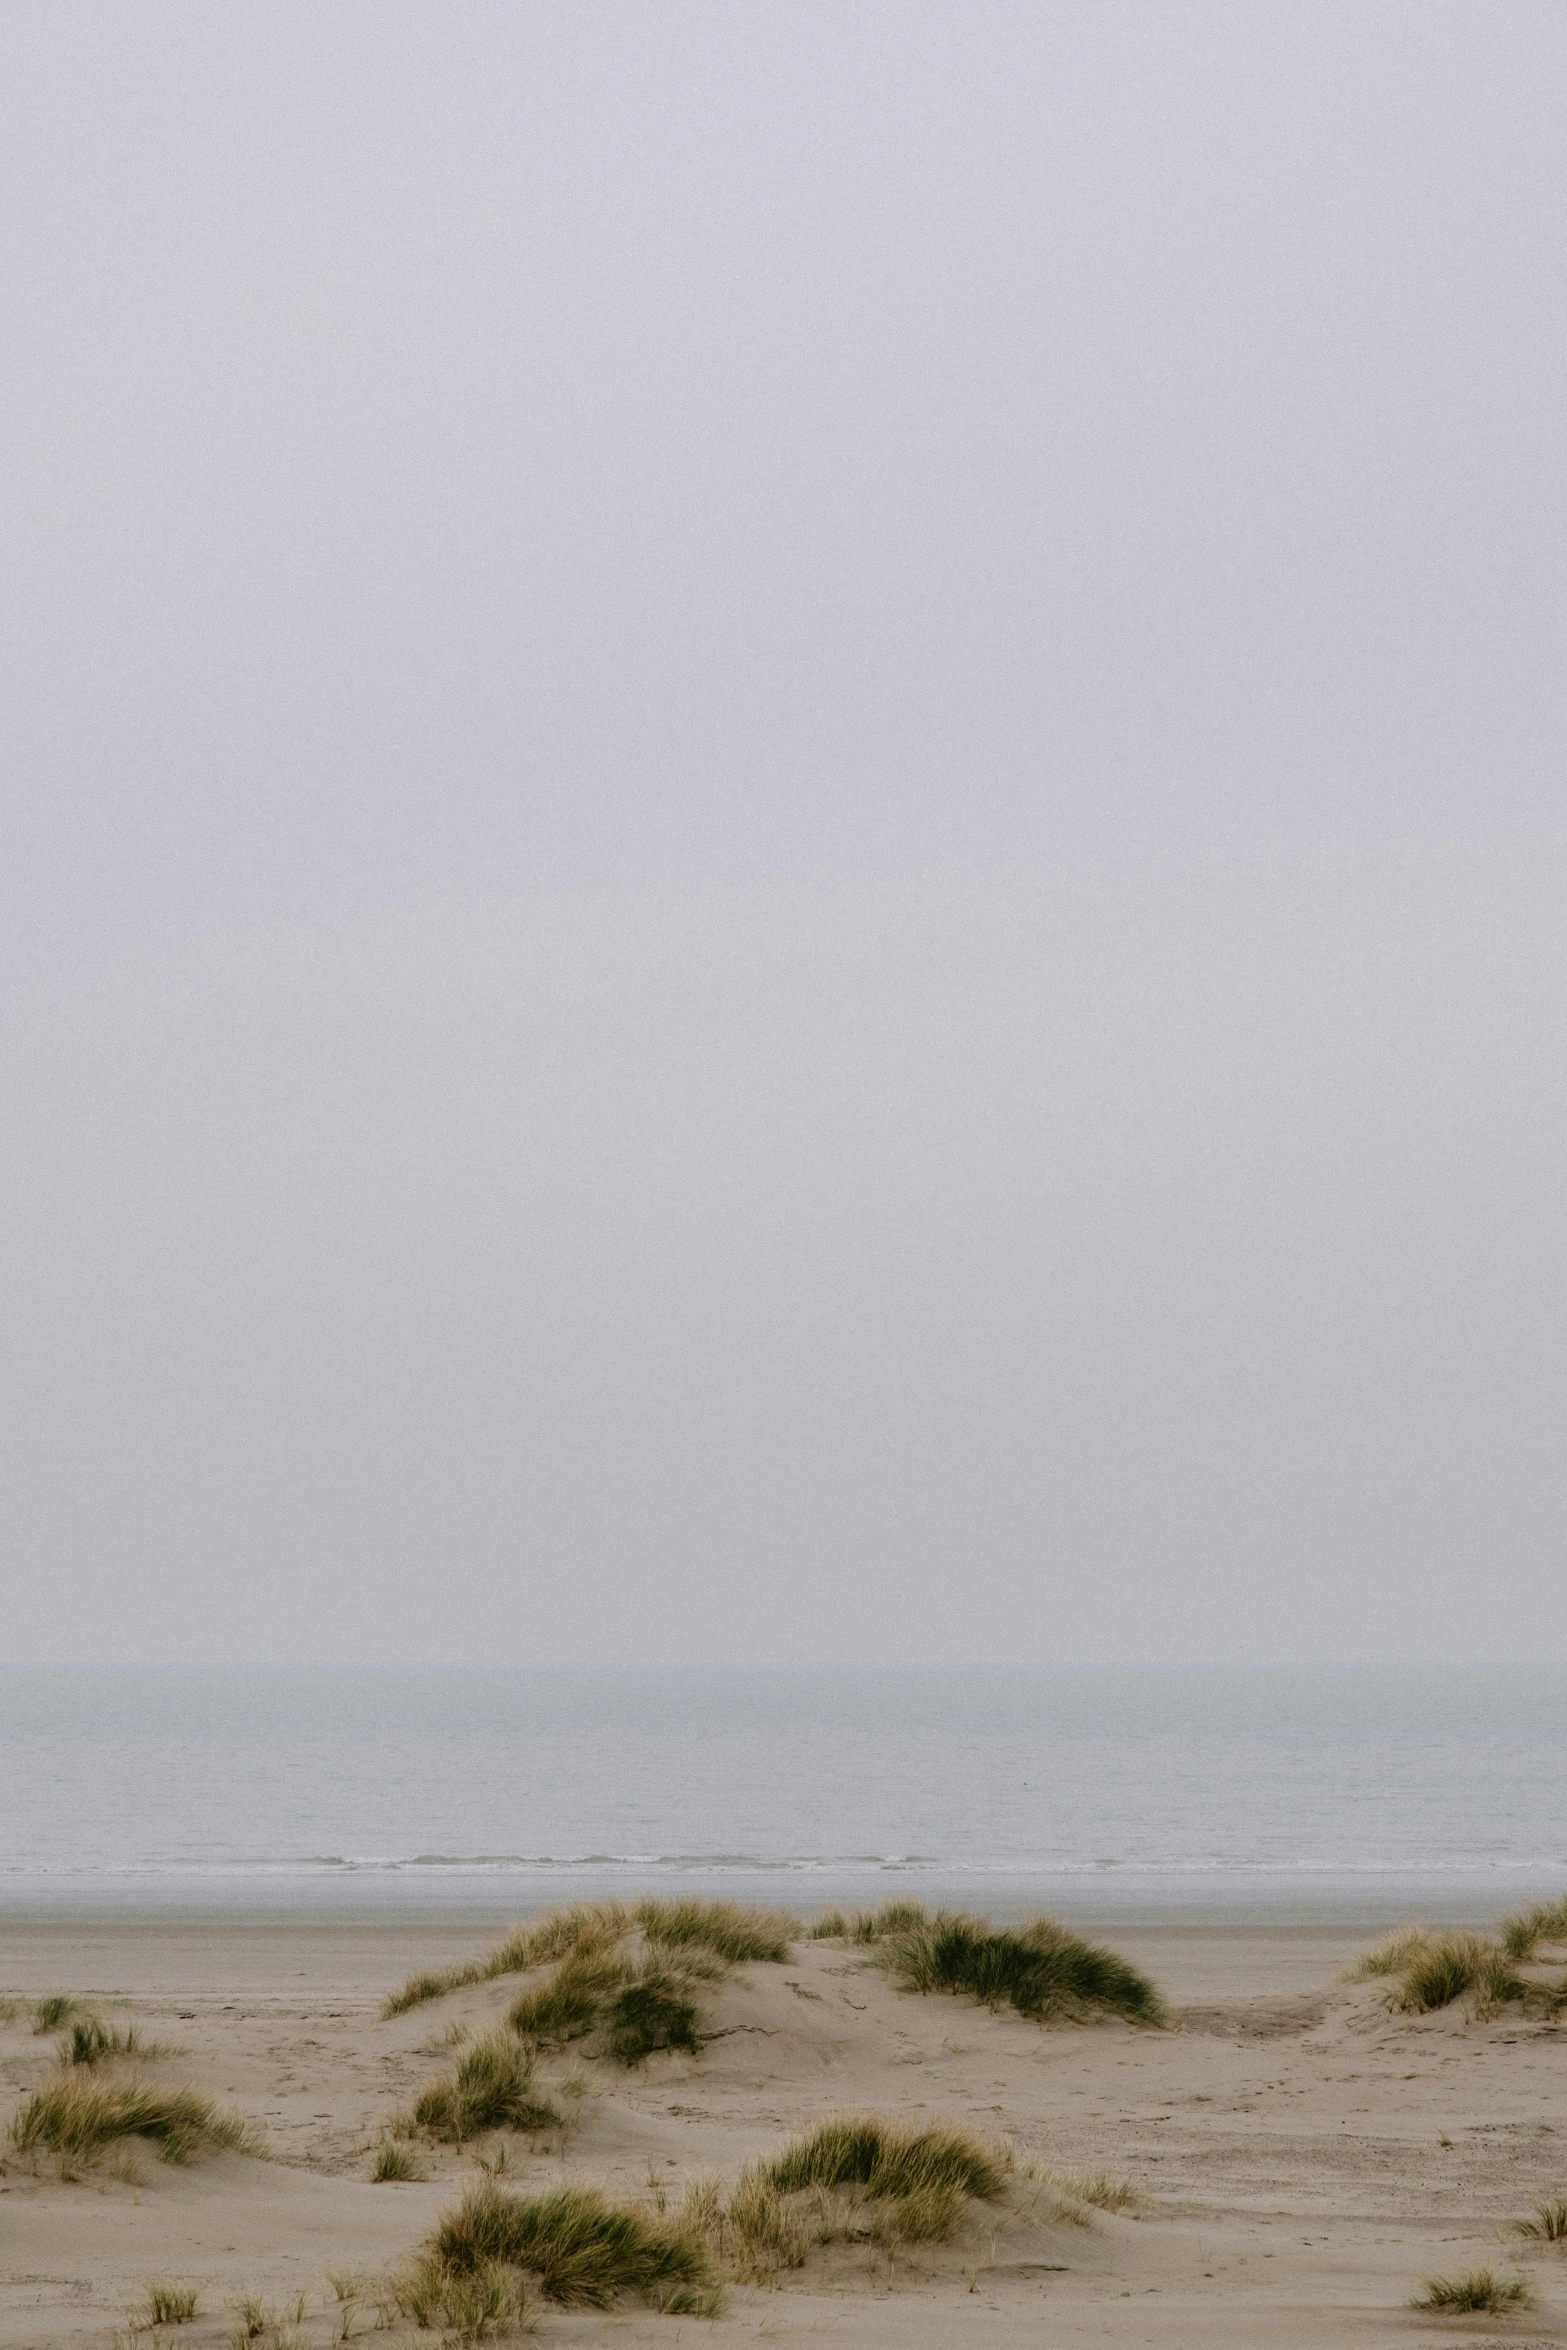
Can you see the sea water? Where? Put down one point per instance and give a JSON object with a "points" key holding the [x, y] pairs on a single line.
{"points": [[516, 1787]]}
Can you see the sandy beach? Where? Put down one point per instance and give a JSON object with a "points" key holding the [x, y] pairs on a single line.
{"points": [[1301, 2157]]}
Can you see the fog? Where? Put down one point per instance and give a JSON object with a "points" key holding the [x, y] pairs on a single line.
{"points": [[783, 856]]}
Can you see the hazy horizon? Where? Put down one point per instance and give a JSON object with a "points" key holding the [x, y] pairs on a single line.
{"points": [[784, 837]]}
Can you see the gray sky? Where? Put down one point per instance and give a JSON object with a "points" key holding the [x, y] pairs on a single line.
{"points": [[783, 857]]}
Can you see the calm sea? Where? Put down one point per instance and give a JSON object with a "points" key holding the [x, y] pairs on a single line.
{"points": [[1090, 1786]]}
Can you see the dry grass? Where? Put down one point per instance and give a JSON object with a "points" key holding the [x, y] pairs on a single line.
{"points": [[1546, 1922], [864, 2151], [1391, 1957], [584, 2251], [578, 1931], [1042, 1969], [567, 2007], [166, 2304], [731, 1930], [857, 2177], [1451, 1966], [491, 2088], [1479, 2290], [77, 2118], [1548, 2224], [1097, 2189], [393, 2162], [831, 1926], [90, 2040]]}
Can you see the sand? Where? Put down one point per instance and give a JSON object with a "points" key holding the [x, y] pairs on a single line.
{"points": [[1302, 2158]]}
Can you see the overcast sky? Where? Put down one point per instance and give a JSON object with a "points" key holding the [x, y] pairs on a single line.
{"points": [[784, 863]]}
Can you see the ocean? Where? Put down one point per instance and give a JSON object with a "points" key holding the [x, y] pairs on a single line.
{"points": [[1079, 1789]]}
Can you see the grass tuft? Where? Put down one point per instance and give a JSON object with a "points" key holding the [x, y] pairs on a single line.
{"points": [[1042, 1969], [491, 2087], [585, 2251], [729, 1929], [393, 2161], [1095, 2188], [168, 2304], [864, 2151], [1452, 1965], [893, 1917], [654, 2010], [580, 1931], [1480, 2289], [90, 2040], [1548, 2225], [567, 2006], [831, 1926], [1391, 1957], [76, 2119], [1546, 1922], [51, 2013]]}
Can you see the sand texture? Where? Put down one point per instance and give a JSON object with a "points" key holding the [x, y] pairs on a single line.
{"points": [[1301, 2157]]}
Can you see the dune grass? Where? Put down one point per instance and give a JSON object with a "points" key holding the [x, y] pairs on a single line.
{"points": [[1096, 2188], [893, 1917], [1390, 1957], [731, 1930], [831, 1926], [1479, 2290], [654, 2010], [168, 2304], [492, 2088], [580, 1931], [90, 2040], [568, 2005], [1042, 1969], [1430, 1971], [49, 2014], [1449, 1966], [76, 2118], [1546, 1922], [864, 2151], [584, 2251], [392, 2161], [1547, 2224], [590, 1931]]}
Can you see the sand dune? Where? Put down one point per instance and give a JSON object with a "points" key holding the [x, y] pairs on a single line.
{"points": [[1301, 2157]]}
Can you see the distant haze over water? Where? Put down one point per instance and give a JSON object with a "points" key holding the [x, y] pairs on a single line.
{"points": [[1097, 1785]]}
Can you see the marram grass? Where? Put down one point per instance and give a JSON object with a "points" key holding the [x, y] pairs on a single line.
{"points": [[1546, 1922], [1042, 1969], [729, 1929], [491, 2088], [1478, 2291], [168, 2304], [583, 2251], [1547, 2224], [864, 2151], [77, 2117], [724, 1932]]}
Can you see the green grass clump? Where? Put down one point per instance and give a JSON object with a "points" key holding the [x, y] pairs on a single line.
{"points": [[893, 1917], [831, 1926], [568, 2005], [1549, 2224], [1452, 1965], [762, 2228], [867, 2152], [76, 2118], [584, 2251], [654, 2010], [1546, 1922], [168, 2304], [51, 2013], [392, 2161], [1042, 1969], [728, 1929], [491, 2088], [581, 1930], [90, 2040], [1391, 1957], [1480, 2289]]}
